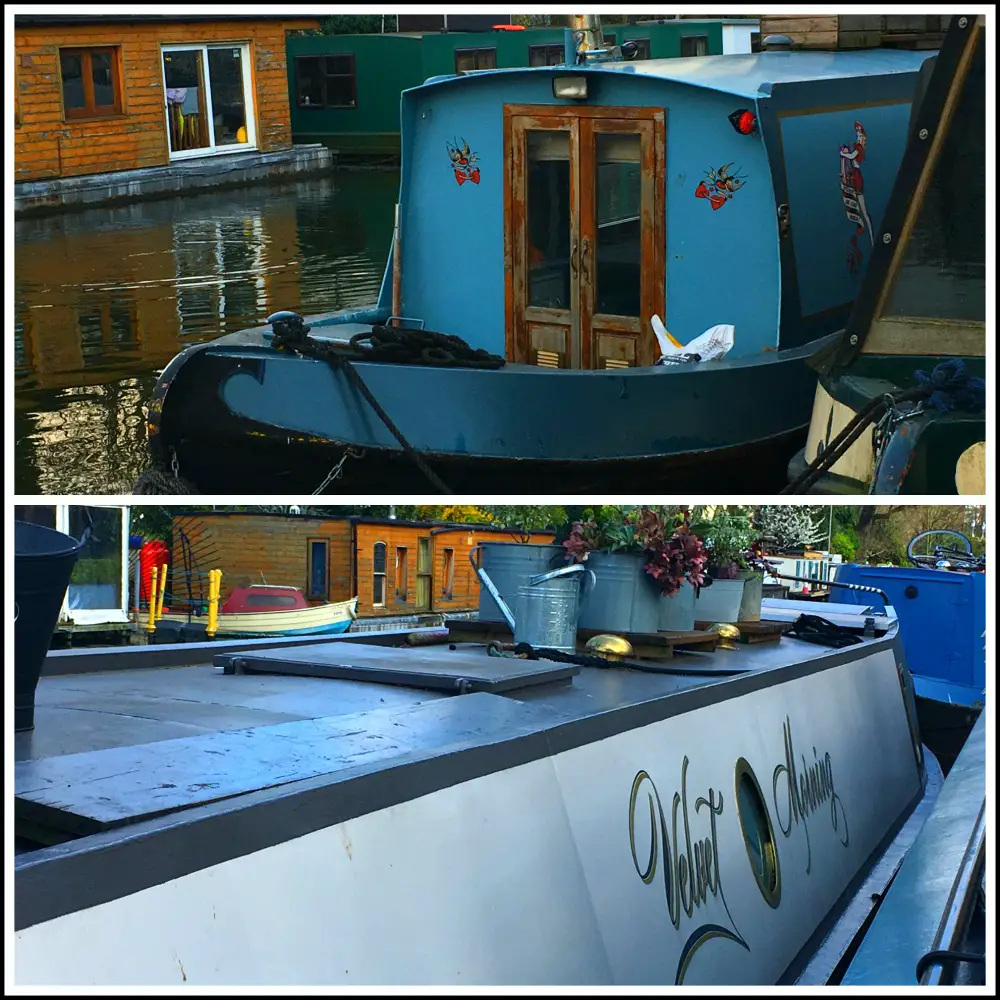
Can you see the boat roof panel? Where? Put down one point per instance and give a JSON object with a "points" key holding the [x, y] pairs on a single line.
{"points": [[746, 75]]}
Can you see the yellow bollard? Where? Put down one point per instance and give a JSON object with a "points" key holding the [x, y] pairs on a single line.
{"points": [[214, 588], [163, 587], [151, 623]]}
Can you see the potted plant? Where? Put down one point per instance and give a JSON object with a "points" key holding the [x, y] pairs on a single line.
{"points": [[728, 534], [638, 555], [755, 567]]}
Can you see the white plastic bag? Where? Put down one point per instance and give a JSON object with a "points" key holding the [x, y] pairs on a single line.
{"points": [[714, 344]]}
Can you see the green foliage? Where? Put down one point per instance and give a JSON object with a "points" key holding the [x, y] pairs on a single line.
{"points": [[727, 532], [527, 517], [106, 570], [357, 24], [845, 543]]}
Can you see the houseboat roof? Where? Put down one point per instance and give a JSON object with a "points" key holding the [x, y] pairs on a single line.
{"points": [[360, 519], [749, 75]]}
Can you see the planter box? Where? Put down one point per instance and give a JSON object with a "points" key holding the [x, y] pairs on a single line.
{"points": [[624, 598], [677, 612], [720, 602]]}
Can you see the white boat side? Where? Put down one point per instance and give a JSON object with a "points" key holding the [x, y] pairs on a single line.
{"points": [[607, 849], [299, 621]]}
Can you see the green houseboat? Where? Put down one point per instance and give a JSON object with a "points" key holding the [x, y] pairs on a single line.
{"points": [[345, 89]]}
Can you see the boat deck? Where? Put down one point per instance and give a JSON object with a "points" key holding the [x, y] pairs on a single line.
{"points": [[111, 749]]}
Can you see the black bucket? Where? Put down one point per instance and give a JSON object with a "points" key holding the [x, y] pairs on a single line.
{"points": [[43, 562]]}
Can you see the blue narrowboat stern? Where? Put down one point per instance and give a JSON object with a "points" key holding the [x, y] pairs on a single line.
{"points": [[546, 216]]}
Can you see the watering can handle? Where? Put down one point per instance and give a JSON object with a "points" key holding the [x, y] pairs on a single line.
{"points": [[552, 574], [588, 584], [490, 587]]}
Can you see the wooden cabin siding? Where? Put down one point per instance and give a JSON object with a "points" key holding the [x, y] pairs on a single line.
{"points": [[857, 31], [465, 592], [48, 146], [247, 547]]}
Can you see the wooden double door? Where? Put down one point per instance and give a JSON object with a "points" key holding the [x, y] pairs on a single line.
{"points": [[584, 234]]}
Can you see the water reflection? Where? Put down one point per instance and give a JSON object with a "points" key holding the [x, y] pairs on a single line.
{"points": [[105, 298]]}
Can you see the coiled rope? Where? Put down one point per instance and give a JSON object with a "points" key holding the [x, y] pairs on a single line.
{"points": [[389, 345]]}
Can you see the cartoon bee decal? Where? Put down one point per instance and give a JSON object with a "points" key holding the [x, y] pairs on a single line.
{"points": [[463, 162], [719, 186]]}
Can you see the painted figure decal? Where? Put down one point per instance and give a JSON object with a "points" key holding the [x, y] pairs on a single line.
{"points": [[852, 187], [463, 162], [719, 186]]}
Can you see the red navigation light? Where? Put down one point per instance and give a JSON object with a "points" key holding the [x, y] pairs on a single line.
{"points": [[745, 122]]}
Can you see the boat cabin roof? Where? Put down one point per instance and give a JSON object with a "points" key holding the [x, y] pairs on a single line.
{"points": [[746, 75], [268, 713]]}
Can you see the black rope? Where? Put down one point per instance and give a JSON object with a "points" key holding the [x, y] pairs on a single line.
{"points": [[820, 632], [946, 387], [388, 345]]}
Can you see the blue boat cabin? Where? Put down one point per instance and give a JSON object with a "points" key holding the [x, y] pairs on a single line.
{"points": [[742, 190]]}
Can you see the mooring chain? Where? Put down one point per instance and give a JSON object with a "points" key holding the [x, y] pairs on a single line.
{"points": [[338, 469]]}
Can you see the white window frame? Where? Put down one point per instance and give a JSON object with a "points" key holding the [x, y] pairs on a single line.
{"points": [[248, 102], [97, 616], [384, 575]]}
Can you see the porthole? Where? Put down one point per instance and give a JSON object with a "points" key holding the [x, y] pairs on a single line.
{"points": [[758, 834]]}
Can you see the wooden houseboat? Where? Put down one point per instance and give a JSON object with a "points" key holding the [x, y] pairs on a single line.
{"points": [[900, 405], [546, 215], [392, 567], [103, 93], [613, 842]]}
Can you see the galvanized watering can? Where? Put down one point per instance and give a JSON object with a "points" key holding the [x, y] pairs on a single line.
{"points": [[548, 605]]}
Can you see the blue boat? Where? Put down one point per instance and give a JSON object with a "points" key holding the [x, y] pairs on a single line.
{"points": [[546, 216], [900, 404], [941, 604]]}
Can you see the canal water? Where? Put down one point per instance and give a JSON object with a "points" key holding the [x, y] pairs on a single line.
{"points": [[105, 298]]}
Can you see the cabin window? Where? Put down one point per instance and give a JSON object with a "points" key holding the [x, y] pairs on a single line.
{"points": [[546, 55], [326, 81], [618, 195], [548, 212], [448, 575], [467, 60], [424, 574], [270, 601], [694, 45], [91, 85], [755, 41], [318, 588], [610, 38], [401, 574], [378, 575]]}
